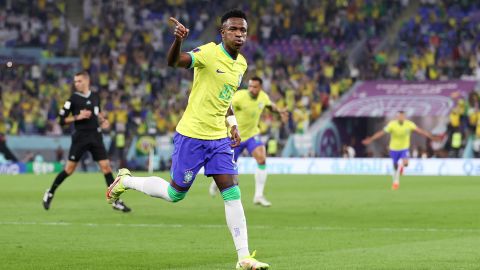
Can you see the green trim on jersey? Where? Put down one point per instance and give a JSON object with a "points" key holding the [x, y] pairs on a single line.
{"points": [[193, 59], [225, 51]]}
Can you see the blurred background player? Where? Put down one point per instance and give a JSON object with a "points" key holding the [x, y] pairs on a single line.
{"points": [[202, 136], [400, 130], [84, 105], [248, 106]]}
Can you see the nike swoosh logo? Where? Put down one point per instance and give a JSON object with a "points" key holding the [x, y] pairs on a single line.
{"points": [[219, 71]]}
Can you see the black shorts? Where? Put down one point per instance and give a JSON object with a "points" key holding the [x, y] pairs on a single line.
{"points": [[83, 141]]}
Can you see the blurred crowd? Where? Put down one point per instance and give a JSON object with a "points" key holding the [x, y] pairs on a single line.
{"points": [[440, 41], [464, 122], [299, 48]]}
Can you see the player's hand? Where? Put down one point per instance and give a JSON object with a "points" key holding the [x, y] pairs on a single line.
{"points": [[84, 114], [284, 116], [180, 32], [367, 141], [105, 124], [235, 136], [437, 138]]}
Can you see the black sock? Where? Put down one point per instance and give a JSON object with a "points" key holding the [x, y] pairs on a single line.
{"points": [[58, 180], [109, 178]]}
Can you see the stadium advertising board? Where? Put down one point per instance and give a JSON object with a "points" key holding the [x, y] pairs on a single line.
{"points": [[30, 167], [367, 166], [385, 98]]}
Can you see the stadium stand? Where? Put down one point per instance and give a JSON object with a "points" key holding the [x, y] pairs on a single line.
{"points": [[124, 46]]}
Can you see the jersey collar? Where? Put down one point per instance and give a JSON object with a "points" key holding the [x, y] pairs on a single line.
{"points": [[225, 51], [87, 95]]}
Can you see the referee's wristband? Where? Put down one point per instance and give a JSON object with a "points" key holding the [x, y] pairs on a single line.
{"points": [[232, 121]]}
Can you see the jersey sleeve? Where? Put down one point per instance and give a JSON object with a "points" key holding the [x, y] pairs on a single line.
{"points": [[65, 111], [412, 125], [267, 100], [200, 55], [97, 109], [388, 128]]}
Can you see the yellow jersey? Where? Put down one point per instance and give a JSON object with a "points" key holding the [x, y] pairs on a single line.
{"points": [[248, 111], [400, 134], [216, 78]]}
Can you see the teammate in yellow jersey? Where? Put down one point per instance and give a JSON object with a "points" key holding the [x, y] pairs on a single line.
{"points": [[248, 106], [400, 130], [202, 138]]}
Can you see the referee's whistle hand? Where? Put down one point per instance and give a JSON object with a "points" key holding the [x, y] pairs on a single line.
{"points": [[85, 114]]}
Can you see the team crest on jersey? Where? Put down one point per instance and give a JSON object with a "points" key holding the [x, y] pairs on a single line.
{"points": [[227, 92], [260, 105], [187, 177]]}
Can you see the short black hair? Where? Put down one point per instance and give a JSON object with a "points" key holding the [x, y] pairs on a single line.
{"points": [[83, 73], [401, 112], [234, 13], [258, 79]]}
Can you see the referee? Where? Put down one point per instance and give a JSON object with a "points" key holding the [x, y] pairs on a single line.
{"points": [[84, 105]]}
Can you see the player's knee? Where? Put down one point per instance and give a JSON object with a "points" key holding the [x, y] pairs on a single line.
{"points": [[68, 170], [261, 161], [231, 193], [106, 169], [175, 195]]}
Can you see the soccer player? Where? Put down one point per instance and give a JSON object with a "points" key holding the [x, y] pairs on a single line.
{"points": [[400, 130], [84, 105], [202, 138], [248, 106]]}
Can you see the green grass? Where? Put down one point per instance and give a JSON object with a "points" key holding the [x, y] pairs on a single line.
{"points": [[316, 222]]}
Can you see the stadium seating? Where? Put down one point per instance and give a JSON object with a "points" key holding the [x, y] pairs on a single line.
{"points": [[439, 42], [124, 47]]}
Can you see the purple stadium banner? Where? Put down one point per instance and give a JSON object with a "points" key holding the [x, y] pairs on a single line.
{"points": [[385, 98]]}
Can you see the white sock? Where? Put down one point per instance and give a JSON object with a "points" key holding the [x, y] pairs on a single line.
{"points": [[237, 225], [150, 185], [396, 178], [260, 180]]}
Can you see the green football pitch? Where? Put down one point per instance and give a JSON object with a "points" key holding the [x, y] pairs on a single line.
{"points": [[316, 222]]}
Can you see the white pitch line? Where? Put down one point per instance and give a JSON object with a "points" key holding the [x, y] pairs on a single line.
{"points": [[259, 227]]}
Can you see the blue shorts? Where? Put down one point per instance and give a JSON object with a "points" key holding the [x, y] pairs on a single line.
{"points": [[250, 144], [396, 155], [189, 155]]}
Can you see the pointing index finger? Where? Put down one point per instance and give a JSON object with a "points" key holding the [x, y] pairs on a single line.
{"points": [[175, 21]]}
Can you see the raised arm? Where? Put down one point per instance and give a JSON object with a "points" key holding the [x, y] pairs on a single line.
{"points": [[375, 136], [425, 134], [175, 57]]}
